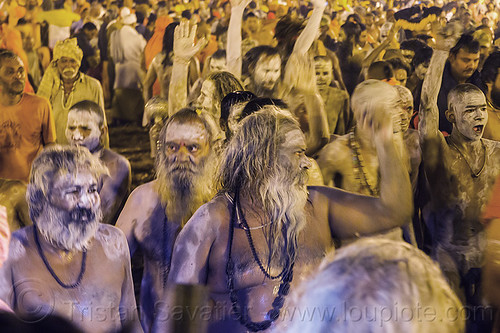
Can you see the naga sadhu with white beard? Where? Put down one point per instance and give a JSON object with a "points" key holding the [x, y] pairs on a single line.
{"points": [[68, 263], [156, 211], [266, 229]]}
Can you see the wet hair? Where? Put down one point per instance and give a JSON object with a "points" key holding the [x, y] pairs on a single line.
{"points": [[380, 70], [467, 43], [256, 54], [491, 65], [7, 54], [168, 43], [286, 32], [92, 107], [248, 15], [186, 14], [224, 83], [258, 104], [412, 45], [89, 26], [54, 161], [373, 276], [219, 54], [397, 63], [229, 101], [423, 56], [457, 94]]}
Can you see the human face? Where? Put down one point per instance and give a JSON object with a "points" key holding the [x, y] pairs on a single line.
{"points": [[67, 67], [471, 115], [205, 101], [362, 38], [186, 146], [401, 76], [83, 129], [421, 70], [90, 34], [75, 191], [463, 64], [267, 72], [235, 117], [324, 73], [217, 65], [12, 76], [253, 24], [495, 91], [408, 55], [293, 155]]}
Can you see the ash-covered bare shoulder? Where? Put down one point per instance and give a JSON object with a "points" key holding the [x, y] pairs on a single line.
{"points": [[144, 195], [494, 146], [112, 241], [211, 215], [19, 242], [335, 150]]}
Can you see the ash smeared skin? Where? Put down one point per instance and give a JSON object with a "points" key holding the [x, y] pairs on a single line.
{"points": [[201, 250], [457, 197], [340, 170]]}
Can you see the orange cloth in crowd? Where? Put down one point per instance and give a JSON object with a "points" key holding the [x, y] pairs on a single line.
{"points": [[208, 50], [25, 128], [10, 39], [155, 43], [79, 9], [492, 210], [392, 81], [155, 46]]}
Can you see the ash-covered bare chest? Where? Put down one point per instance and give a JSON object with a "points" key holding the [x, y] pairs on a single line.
{"points": [[157, 235], [469, 180]]}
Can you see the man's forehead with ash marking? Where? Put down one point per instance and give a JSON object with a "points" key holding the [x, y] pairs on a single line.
{"points": [[191, 131]]}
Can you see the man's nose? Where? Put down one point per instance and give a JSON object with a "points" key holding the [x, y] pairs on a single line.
{"points": [[77, 135], [305, 163], [87, 200]]}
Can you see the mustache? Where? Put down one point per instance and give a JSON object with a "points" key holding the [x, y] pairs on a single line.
{"points": [[82, 215], [183, 167]]}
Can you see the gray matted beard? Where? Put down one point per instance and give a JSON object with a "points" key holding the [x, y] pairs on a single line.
{"points": [[283, 198], [183, 188], [65, 233]]}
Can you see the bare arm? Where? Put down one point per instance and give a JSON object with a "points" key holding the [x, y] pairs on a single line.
{"points": [[432, 140], [491, 276], [115, 189], [133, 215], [352, 214], [318, 123], [233, 49], [148, 83], [184, 50], [310, 32], [192, 248], [370, 58]]}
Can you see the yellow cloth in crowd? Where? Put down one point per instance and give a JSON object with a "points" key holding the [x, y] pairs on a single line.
{"points": [[59, 17], [84, 88], [68, 48]]}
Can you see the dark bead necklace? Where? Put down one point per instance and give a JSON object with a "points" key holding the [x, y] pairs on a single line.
{"points": [[284, 288], [51, 271]]}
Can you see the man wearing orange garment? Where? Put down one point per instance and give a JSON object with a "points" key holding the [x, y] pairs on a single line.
{"points": [[26, 123], [155, 45]]}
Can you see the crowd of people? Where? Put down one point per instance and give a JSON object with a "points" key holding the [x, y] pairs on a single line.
{"points": [[319, 166]]}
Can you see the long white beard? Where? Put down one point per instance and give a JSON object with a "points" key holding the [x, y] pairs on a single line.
{"points": [[67, 235], [285, 207]]}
